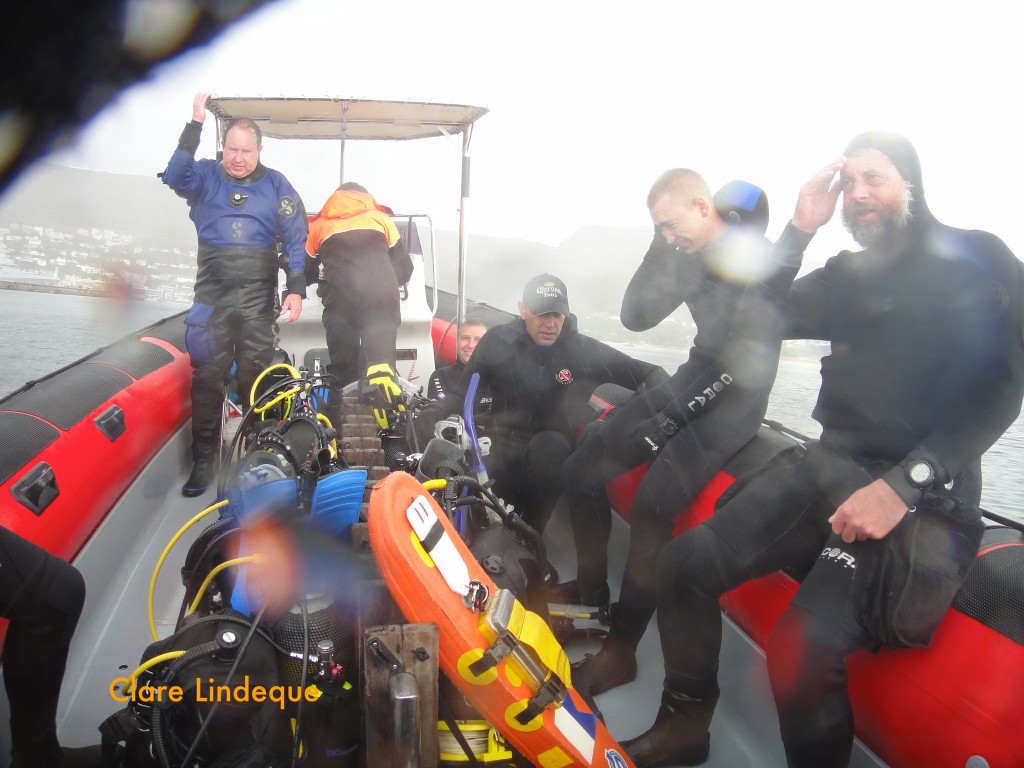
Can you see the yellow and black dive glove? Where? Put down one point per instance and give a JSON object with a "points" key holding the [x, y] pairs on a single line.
{"points": [[383, 393]]}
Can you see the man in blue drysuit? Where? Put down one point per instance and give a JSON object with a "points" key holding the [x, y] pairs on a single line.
{"points": [[242, 211]]}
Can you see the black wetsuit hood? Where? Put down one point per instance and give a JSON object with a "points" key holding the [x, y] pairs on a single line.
{"points": [[903, 155]]}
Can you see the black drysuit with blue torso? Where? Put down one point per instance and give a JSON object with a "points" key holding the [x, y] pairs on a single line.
{"points": [[926, 362], [688, 427], [239, 223], [539, 397]]}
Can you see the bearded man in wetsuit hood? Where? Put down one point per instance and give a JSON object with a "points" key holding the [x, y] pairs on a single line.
{"points": [[926, 372]]}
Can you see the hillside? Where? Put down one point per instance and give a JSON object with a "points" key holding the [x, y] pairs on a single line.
{"points": [[596, 262], [69, 198]]}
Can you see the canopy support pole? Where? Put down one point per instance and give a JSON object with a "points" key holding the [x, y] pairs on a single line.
{"points": [[467, 132]]}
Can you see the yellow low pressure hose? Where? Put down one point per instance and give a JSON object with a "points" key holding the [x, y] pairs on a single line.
{"points": [[254, 558], [435, 485], [286, 395], [170, 655], [163, 556], [276, 366]]}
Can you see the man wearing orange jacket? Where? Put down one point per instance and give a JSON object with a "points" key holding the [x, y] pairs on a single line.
{"points": [[364, 262]]}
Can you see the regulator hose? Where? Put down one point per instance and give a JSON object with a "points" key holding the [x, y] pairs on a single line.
{"points": [[242, 648], [160, 751], [514, 522]]}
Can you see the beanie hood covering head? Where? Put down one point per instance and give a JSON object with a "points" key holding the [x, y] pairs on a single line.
{"points": [[901, 152]]}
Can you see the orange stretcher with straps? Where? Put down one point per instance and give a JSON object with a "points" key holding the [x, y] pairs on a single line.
{"points": [[503, 658]]}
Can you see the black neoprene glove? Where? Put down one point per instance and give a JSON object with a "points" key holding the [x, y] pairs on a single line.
{"points": [[423, 423], [590, 448], [640, 442]]}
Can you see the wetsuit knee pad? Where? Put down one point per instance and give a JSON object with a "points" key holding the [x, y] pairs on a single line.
{"points": [[66, 592], [199, 338], [549, 447], [694, 561]]}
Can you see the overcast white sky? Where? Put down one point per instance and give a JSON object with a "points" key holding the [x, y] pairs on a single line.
{"points": [[590, 101]]}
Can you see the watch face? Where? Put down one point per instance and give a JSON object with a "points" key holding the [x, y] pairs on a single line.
{"points": [[920, 472]]}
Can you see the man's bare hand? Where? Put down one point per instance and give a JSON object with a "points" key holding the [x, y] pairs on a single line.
{"points": [[869, 513], [291, 309], [199, 106], [817, 199]]}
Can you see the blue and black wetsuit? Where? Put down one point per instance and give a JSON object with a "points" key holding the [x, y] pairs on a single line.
{"points": [[241, 224]]}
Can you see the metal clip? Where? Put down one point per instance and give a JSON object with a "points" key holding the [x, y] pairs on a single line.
{"points": [[384, 655], [476, 598]]}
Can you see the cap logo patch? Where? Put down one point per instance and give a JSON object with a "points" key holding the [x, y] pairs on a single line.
{"points": [[549, 291], [564, 376]]}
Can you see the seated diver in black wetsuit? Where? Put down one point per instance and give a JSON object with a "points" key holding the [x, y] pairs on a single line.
{"points": [[445, 378], [926, 371], [687, 428], [539, 371], [42, 597]]}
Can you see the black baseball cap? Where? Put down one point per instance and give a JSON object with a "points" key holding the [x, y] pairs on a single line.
{"points": [[546, 293]]}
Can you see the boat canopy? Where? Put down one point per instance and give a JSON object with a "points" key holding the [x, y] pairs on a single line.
{"points": [[343, 119]]}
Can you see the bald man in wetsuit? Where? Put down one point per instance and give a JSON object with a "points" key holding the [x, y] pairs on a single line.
{"points": [[926, 371]]}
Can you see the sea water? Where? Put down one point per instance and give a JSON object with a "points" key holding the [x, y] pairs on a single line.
{"points": [[796, 390], [41, 332]]}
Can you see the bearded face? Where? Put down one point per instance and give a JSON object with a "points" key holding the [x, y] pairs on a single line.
{"points": [[869, 231], [876, 198]]}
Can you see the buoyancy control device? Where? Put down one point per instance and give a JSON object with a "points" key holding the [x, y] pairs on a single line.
{"points": [[260, 670]]}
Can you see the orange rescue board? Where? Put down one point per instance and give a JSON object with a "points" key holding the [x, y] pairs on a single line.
{"points": [[491, 648]]}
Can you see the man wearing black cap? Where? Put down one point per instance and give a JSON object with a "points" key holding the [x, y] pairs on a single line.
{"points": [[540, 372], [711, 253], [926, 371]]}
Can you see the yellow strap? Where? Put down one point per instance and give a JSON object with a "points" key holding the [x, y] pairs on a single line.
{"points": [[532, 631]]}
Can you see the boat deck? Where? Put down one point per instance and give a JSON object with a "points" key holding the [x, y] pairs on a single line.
{"points": [[745, 730], [118, 563]]}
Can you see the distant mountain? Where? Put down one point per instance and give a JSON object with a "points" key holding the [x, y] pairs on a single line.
{"points": [[70, 198], [596, 262]]}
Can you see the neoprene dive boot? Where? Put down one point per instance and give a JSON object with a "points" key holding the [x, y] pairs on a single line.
{"points": [[203, 470], [382, 393], [680, 735], [613, 665], [204, 467]]}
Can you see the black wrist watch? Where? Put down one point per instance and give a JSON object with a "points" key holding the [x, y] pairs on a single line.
{"points": [[920, 473]]}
